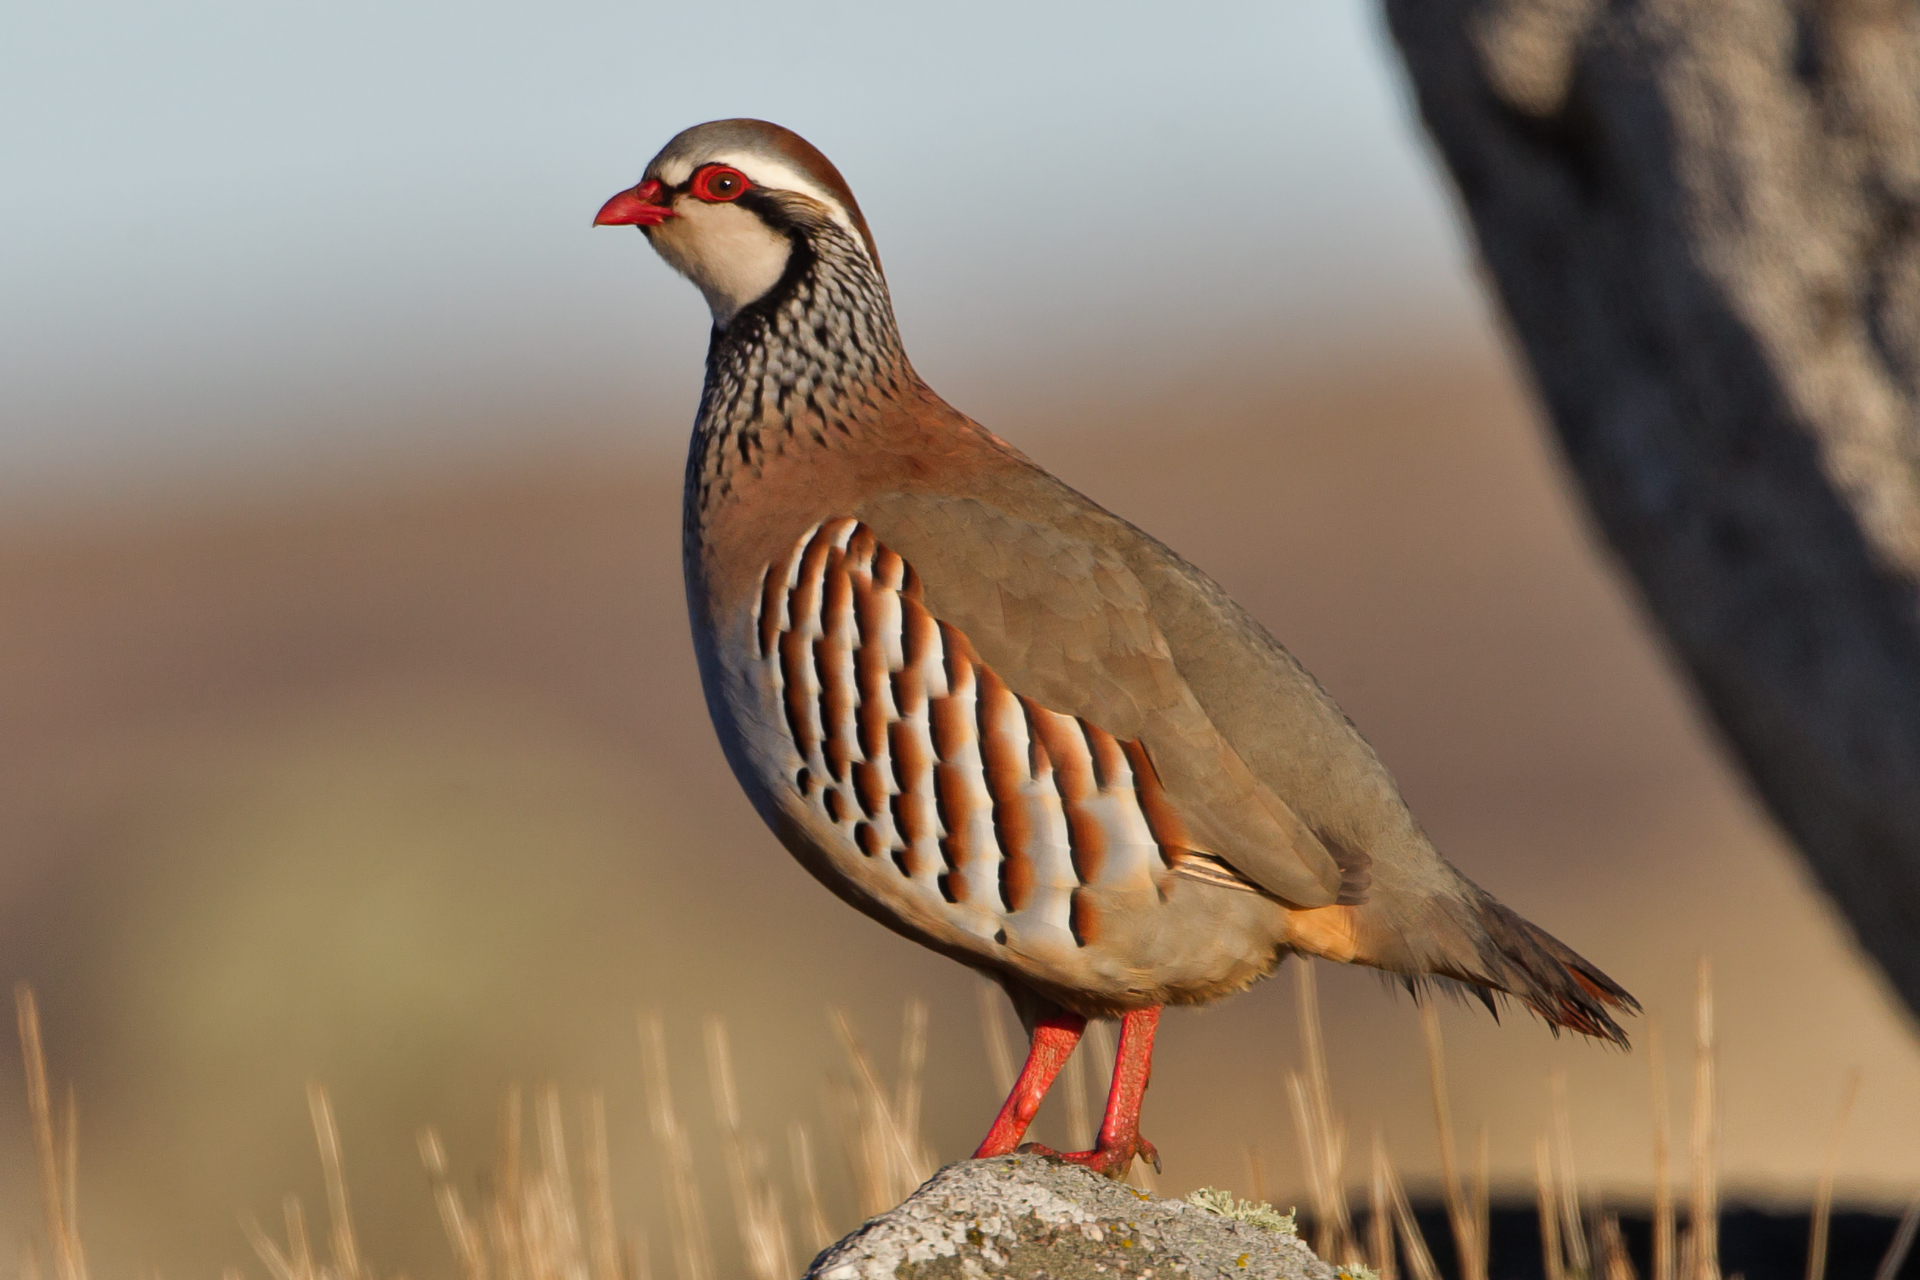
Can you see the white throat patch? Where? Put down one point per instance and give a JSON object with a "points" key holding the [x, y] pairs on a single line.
{"points": [[731, 256]]}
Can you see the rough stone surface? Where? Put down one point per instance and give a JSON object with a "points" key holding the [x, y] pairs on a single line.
{"points": [[1030, 1218]]}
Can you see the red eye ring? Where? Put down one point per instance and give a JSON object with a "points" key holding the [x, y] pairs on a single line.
{"points": [[719, 183]]}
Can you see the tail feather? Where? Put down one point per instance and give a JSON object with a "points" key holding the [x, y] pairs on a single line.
{"points": [[1526, 962], [1476, 947]]}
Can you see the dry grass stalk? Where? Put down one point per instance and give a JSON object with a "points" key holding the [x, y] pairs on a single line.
{"points": [[913, 1061], [469, 1249], [1467, 1240], [1412, 1243], [692, 1246], [1257, 1174], [1615, 1263], [993, 1031], [888, 1159], [1482, 1196], [863, 1119], [326, 1136], [297, 1261], [554, 1221], [1552, 1256], [1903, 1235], [1703, 1216], [530, 1222], [1380, 1220], [507, 1165], [603, 1238], [1323, 1137], [756, 1200], [70, 1176], [57, 1153], [814, 1232], [1663, 1250], [1574, 1236], [506, 1235], [842, 1103], [1303, 1125], [1823, 1192], [549, 1224]]}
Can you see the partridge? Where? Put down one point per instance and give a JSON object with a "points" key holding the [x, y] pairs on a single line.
{"points": [[994, 716]]}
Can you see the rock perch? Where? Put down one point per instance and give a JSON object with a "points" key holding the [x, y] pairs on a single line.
{"points": [[1030, 1218]]}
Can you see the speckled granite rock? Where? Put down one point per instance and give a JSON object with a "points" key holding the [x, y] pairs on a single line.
{"points": [[1027, 1218]]}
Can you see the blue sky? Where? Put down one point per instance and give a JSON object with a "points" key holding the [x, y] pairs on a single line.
{"points": [[261, 234]]}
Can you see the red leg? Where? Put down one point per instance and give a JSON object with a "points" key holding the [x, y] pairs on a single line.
{"points": [[1120, 1139], [1053, 1040]]}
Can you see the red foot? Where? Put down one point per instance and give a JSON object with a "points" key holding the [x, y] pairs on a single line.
{"points": [[1108, 1161], [1120, 1140]]}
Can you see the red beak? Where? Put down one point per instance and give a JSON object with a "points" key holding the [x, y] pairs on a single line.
{"points": [[637, 207]]}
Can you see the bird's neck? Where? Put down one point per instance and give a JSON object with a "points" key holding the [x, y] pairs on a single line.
{"points": [[813, 366]]}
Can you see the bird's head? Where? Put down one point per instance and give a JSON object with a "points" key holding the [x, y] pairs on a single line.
{"points": [[729, 204]]}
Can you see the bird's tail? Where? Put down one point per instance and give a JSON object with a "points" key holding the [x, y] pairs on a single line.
{"points": [[1453, 934], [1516, 957]]}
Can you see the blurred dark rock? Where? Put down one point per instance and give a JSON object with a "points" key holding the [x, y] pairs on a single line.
{"points": [[1025, 1216], [1703, 222]]}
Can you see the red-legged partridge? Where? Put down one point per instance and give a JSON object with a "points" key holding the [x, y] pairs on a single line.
{"points": [[990, 714]]}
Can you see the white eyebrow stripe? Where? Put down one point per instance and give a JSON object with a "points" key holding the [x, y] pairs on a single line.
{"points": [[766, 171]]}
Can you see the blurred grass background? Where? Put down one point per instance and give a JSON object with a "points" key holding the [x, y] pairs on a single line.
{"points": [[349, 728]]}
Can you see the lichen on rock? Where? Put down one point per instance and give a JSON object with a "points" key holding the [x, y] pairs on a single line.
{"points": [[1214, 1200]]}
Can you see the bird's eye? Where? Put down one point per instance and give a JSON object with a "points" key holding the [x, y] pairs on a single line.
{"points": [[719, 183]]}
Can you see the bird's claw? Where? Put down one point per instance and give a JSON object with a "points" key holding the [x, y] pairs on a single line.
{"points": [[1109, 1160]]}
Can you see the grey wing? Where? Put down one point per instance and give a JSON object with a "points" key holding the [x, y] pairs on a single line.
{"points": [[1066, 621]]}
